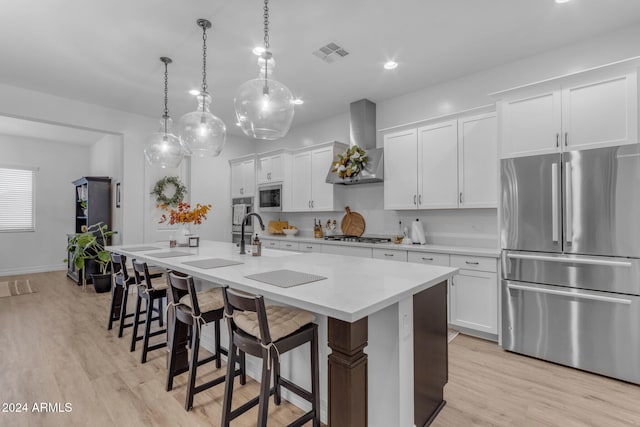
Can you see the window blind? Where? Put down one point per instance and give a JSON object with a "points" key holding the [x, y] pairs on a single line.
{"points": [[17, 199]]}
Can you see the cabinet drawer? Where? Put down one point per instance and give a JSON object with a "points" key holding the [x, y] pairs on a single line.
{"points": [[428, 258], [290, 246], [474, 263], [273, 244], [392, 254], [310, 247], [347, 250]]}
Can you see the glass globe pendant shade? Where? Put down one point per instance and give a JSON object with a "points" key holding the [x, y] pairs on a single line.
{"points": [[163, 149], [201, 133], [264, 108]]}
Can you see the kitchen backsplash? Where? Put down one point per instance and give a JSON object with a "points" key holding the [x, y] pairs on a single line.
{"points": [[452, 227]]}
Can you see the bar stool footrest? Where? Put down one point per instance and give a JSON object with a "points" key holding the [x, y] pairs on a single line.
{"points": [[296, 389], [248, 405], [156, 346], [302, 420]]}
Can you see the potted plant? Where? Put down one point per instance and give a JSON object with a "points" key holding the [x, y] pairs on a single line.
{"points": [[89, 246]]}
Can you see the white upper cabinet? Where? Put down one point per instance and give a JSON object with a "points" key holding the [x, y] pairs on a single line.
{"points": [[271, 167], [438, 166], [309, 189], [587, 110], [243, 178], [600, 113], [401, 170], [445, 165], [478, 161], [530, 125]]}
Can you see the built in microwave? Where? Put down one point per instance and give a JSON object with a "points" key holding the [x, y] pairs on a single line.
{"points": [[270, 198]]}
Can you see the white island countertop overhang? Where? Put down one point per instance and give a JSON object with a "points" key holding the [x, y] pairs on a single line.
{"points": [[354, 287]]}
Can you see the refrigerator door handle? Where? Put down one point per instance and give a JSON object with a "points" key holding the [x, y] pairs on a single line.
{"points": [[569, 294], [554, 202], [576, 260], [568, 204]]}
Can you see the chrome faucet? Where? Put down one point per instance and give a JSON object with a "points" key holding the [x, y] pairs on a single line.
{"points": [[244, 221]]}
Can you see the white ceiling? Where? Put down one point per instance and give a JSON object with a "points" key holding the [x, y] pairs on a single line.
{"points": [[107, 52]]}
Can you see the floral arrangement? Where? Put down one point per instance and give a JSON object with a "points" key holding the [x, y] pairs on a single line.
{"points": [[351, 162], [184, 214]]}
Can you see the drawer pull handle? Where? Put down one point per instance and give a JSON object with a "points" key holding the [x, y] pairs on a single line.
{"points": [[427, 259], [472, 263], [388, 254], [309, 247]]}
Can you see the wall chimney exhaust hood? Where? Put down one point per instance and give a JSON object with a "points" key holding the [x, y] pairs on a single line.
{"points": [[363, 134]]}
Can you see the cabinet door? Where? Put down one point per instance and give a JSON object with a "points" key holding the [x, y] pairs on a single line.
{"points": [[530, 125], [248, 178], [428, 258], [310, 247], [347, 250], [301, 182], [277, 168], [321, 192], [236, 180], [438, 166], [478, 161], [264, 169], [473, 301], [601, 113], [401, 170]]}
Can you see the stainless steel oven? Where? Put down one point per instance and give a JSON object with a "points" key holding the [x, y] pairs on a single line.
{"points": [[240, 207], [270, 198]]}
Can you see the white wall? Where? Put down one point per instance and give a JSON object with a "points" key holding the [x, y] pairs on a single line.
{"points": [[210, 183], [59, 164], [106, 160], [476, 227]]}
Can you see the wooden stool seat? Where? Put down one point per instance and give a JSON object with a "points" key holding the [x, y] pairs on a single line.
{"points": [[267, 333], [194, 310]]}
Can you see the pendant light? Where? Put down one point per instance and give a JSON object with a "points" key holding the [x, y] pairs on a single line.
{"points": [[202, 133], [163, 149], [264, 107]]}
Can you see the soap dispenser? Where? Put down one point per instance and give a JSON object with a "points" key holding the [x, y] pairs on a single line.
{"points": [[256, 246]]}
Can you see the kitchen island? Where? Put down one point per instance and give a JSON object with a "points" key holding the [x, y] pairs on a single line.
{"points": [[397, 312]]}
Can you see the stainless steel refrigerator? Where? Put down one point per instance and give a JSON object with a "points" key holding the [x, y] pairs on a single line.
{"points": [[570, 234]]}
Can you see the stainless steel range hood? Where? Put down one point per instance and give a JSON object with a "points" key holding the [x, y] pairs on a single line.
{"points": [[363, 134]]}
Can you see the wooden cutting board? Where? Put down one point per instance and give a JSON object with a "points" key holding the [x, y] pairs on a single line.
{"points": [[352, 223], [275, 227]]}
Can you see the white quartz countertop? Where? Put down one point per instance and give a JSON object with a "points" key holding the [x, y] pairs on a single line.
{"points": [[454, 250], [355, 287]]}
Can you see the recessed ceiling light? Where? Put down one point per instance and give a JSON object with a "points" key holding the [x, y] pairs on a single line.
{"points": [[258, 50], [194, 92], [390, 65], [562, 1], [297, 101]]}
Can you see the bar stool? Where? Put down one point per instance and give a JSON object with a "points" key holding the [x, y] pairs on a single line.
{"points": [[195, 309], [268, 332], [120, 291], [151, 292]]}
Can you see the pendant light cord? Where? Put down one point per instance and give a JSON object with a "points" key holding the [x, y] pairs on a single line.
{"points": [[265, 15], [166, 61], [204, 65]]}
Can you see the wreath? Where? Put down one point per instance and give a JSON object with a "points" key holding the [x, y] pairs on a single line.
{"points": [[159, 191], [351, 162]]}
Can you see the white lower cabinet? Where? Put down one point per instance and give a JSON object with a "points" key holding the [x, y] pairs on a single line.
{"points": [[473, 294], [310, 247], [271, 244], [428, 258], [289, 246], [391, 254], [347, 250]]}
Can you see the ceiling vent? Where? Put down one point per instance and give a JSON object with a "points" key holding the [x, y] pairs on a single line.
{"points": [[330, 52]]}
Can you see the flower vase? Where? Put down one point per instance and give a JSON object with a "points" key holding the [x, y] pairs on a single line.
{"points": [[182, 237]]}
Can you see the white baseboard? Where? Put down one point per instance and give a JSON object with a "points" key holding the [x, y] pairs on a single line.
{"points": [[30, 270]]}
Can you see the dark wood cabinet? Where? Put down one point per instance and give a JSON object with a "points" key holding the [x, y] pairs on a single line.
{"points": [[92, 205]]}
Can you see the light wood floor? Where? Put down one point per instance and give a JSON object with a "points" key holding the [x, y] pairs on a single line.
{"points": [[54, 347]]}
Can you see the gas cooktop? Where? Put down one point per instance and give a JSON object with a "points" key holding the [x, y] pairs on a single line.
{"points": [[363, 239]]}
